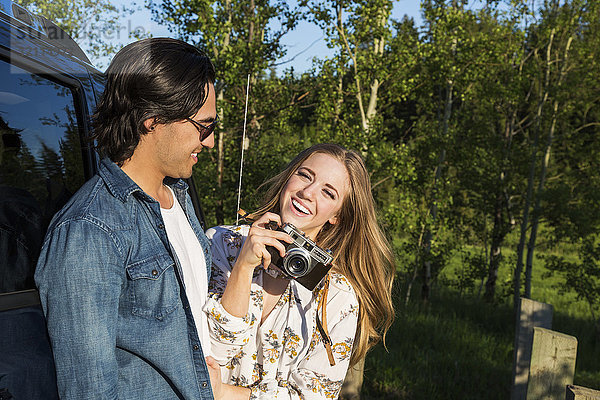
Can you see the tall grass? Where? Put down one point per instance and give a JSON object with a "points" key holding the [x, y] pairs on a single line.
{"points": [[459, 347], [456, 348]]}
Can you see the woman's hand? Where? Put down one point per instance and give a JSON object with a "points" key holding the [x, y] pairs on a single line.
{"points": [[236, 297], [254, 251]]}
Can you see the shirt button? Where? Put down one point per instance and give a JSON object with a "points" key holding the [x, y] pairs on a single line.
{"points": [[154, 272], [161, 226], [196, 347], [204, 384]]}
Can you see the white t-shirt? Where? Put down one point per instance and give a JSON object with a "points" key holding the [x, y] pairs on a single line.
{"points": [[193, 265]]}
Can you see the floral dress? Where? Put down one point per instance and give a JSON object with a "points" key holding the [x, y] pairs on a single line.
{"points": [[284, 357]]}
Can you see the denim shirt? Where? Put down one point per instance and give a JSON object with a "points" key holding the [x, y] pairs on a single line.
{"points": [[118, 318]]}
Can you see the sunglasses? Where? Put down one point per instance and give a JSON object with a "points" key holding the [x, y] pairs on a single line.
{"points": [[204, 131]]}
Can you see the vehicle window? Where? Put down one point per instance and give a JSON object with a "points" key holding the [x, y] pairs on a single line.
{"points": [[41, 166]]}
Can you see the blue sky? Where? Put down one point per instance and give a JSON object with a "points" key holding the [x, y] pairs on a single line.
{"points": [[303, 43]]}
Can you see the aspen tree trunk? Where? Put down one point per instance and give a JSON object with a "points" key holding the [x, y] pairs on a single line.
{"points": [[354, 378], [426, 286], [378, 47], [546, 162], [536, 210], [340, 86], [251, 107], [219, 213], [530, 181], [340, 97], [418, 258], [352, 55], [524, 223], [495, 247], [528, 196], [499, 230], [426, 272]]}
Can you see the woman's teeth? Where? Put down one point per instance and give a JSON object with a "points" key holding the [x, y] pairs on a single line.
{"points": [[300, 207]]}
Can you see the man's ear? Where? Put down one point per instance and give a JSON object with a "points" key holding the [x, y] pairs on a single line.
{"points": [[149, 124]]}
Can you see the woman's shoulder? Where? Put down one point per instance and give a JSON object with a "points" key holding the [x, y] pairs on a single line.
{"points": [[339, 282], [227, 233], [226, 240], [341, 297]]}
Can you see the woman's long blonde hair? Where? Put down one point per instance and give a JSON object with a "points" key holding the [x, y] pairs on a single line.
{"points": [[360, 249]]}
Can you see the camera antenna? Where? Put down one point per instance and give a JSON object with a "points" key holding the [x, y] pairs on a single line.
{"points": [[237, 218]]}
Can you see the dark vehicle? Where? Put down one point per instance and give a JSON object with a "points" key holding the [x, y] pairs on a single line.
{"points": [[48, 91]]}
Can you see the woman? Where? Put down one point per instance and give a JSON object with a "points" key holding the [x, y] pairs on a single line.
{"points": [[269, 333]]}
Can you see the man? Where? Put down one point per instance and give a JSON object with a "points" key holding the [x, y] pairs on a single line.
{"points": [[123, 270]]}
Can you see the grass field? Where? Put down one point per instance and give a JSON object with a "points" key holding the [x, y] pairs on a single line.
{"points": [[459, 347]]}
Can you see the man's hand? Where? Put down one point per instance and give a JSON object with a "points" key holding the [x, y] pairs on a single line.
{"points": [[214, 371], [222, 390]]}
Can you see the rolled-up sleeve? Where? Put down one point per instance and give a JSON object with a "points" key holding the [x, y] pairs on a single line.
{"points": [[228, 333]]}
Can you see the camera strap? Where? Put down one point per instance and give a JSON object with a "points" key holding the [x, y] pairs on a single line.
{"points": [[323, 326]]}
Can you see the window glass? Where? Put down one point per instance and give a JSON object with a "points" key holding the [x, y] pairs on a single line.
{"points": [[41, 166]]}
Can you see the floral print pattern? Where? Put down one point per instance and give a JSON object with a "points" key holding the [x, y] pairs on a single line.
{"points": [[284, 357]]}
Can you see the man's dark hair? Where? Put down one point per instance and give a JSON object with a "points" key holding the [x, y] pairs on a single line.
{"points": [[161, 78]]}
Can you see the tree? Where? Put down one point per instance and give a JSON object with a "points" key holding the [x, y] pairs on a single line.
{"points": [[460, 124], [563, 24], [572, 191], [359, 31]]}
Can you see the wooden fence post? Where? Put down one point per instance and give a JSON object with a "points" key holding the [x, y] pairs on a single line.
{"points": [[531, 314], [552, 365], [581, 393], [353, 382]]}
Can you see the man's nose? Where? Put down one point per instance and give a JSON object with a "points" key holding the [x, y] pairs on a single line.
{"points": [[209, 141]]}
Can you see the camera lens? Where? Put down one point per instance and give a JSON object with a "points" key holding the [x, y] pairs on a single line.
{"points": [[296, 265]]}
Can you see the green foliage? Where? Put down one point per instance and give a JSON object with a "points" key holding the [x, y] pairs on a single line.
{"points": [[582, 275], [450, 116], [471, 272]]}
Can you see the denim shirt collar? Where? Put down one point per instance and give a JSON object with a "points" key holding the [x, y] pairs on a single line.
{"points": [[121, 186]]}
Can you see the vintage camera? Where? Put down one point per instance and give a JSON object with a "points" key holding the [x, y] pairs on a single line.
{"points": [[304, 261]]}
